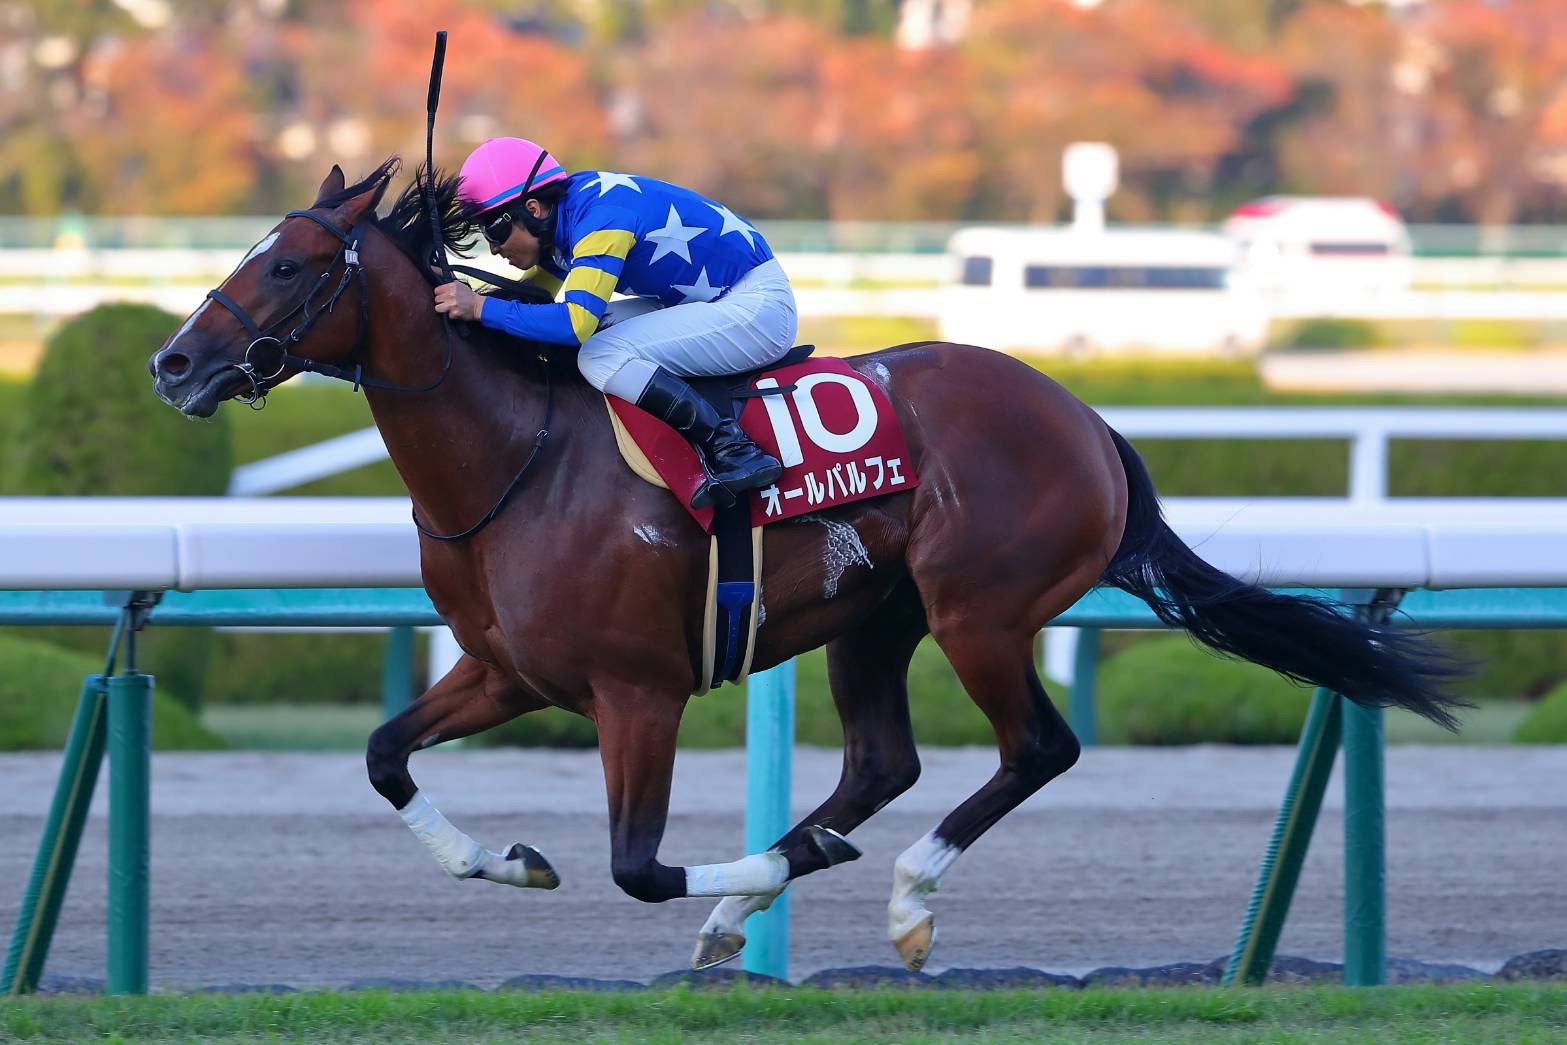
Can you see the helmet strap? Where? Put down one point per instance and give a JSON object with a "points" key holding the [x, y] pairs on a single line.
{"points": [[542, 229]]}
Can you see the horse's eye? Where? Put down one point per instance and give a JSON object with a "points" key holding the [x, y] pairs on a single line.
{"points": [[285, 270]]}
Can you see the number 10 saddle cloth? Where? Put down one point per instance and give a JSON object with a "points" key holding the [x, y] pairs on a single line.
{"points": [[839, 441]]}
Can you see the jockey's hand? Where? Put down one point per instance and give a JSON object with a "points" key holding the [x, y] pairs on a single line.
{"points": [[458, 300]]}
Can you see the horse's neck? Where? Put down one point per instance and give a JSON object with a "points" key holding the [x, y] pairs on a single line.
{"points": [[458, 445]]}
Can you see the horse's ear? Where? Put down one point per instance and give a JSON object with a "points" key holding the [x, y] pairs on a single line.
{"points": [[333, 184], [356, 207]]}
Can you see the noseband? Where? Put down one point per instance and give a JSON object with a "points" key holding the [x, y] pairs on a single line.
{"points": [[264, 370]]}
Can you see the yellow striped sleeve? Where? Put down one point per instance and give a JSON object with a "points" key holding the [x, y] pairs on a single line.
{"points": [[583, 322], [539, 276], [614, 242], [594, 281]]}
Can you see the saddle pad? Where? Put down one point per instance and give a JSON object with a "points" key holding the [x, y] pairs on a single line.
{"points": [[835, 433]]}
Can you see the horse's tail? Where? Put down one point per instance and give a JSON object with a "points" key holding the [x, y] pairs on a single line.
{"points": [[1305, 639]]}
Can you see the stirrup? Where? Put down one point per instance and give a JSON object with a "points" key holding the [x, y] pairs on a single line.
{"points": [[712, 492]]}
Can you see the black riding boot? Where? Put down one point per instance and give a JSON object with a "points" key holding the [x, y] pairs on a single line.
{"points": [[732, 461]]}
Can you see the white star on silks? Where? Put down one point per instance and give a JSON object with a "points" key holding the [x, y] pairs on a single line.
{"points": [[733, 223], [609, 179], [673, 237], [701, 290]]}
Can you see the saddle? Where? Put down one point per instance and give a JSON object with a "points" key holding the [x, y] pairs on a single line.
{"points": [[729, 392]]}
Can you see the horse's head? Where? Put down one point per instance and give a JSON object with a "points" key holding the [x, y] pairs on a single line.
{"points": [[298, 298]]}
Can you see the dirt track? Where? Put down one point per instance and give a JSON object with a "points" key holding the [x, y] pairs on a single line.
{"points": [[290, 869]]}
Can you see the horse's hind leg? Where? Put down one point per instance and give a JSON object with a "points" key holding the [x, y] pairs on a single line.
{"points": [[1036, 745], [471, 698], [868, 670]]}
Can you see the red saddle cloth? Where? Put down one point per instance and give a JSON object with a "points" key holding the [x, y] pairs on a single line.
{"points": [[835, 433]]}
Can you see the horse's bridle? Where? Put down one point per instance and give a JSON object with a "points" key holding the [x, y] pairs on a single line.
{"points": [[262, 383]]}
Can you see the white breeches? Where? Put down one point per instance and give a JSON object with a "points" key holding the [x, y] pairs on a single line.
{"points": [[750, 326]]}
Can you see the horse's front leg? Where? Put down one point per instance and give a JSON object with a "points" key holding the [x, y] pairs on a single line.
{"points": [[637, 730], [868, 672], [472, 697]]}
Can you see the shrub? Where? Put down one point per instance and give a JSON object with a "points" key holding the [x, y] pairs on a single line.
{"points": [[90, 424], [179, 657], [1169, 691], [1547, 721], [1332, 333], [269, 667], [39, 684]]}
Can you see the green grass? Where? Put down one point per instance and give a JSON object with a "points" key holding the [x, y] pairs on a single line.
{"points": [[1467, 1013]]}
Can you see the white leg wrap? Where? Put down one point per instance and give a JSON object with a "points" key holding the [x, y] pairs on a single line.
{"points": [[914, 876], [731, 912], [759, 874], [460, 855]]}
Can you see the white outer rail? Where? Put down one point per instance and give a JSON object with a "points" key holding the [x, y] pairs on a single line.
{"points": [[210, 543], [1368, 430]]}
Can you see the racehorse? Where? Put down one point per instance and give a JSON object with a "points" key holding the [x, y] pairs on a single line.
{"points": [[585, 591]]}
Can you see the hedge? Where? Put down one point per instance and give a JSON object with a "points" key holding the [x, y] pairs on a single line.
{"points": [[39, 687], [89, 424], [1547, 721], [1167, 690], [181, 658]]}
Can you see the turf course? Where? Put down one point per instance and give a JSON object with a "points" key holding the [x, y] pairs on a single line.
{"points": [[1448, 1014]]}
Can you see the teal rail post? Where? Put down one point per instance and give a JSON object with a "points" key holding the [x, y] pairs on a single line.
{"points": [[1286, 852], [35, 922], [769, 744], [1365, 908], [130, 747], [1332, 719], [1085, 668], [397, 665]]}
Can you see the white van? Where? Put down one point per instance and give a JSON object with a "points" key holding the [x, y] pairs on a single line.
{"points": [[1115, 290], [1313, 254]]}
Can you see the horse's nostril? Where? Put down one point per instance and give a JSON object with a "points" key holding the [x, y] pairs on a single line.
{"points": [[173, 364]]}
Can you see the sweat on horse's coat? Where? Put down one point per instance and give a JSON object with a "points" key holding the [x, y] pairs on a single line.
{"points": [[1032, 500]]}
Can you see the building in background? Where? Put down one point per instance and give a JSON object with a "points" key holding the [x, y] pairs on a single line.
{"points": [[1088, 288], [1306, 254]]}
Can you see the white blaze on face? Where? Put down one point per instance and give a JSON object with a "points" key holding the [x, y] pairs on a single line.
{"points": [[259, 249], [915, 875], [255, 252]]}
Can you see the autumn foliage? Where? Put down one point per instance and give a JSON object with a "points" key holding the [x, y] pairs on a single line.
{"points": [[1449, 109]]}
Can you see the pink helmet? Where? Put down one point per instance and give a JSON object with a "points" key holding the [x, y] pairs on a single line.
{"points": [[503, 169]]}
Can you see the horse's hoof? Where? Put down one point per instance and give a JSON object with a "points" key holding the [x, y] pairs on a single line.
{"points": [[540, 874], [830, 845], [716, 948], [522, 866], [914, 946]]}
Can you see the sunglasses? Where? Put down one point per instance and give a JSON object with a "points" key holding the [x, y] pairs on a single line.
{"points": [[498, 229]]}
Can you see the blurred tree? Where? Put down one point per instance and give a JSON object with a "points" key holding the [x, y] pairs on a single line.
{"points": [[1143, 76], [1352, 133], [1494, 110], [895, 133], [1454, 108], [737, 118], [165, 128]]}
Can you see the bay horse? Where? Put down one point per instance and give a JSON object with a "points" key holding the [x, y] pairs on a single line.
{"points": [[586, 589]]}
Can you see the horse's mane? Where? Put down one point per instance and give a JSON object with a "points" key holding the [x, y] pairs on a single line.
{"points": [[407, 224]]}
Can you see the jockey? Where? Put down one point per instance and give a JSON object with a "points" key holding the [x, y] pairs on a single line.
{"points": [[708, 297]]}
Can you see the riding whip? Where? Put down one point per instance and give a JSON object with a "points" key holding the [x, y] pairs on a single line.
{"points": [[434, 99]]}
